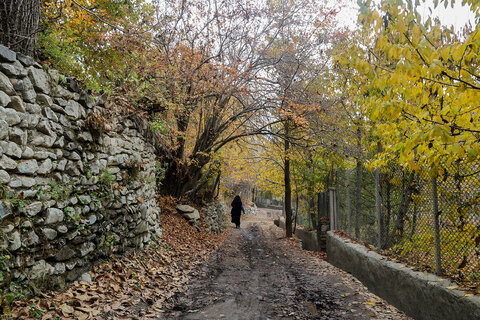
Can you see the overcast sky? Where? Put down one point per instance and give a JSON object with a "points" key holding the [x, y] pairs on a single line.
{"points": [[456, 16]]}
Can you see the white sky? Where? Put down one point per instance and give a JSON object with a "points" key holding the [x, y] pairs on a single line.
{"points": [[456, 16]]}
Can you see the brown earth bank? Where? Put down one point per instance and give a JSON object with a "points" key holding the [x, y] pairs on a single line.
{"points": [[258, 274]]}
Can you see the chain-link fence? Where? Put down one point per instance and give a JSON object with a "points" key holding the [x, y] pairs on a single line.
{"points": [[431, 224]]}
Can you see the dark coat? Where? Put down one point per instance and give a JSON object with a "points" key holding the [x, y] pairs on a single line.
{"points": [[237, 208]]}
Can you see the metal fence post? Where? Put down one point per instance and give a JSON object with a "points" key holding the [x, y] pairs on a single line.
{"points": [[347, 200], [438, 257], [333, 208], [378, 209]]}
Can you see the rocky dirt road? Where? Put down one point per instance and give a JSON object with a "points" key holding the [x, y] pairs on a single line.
{"points": [[258, 274]]}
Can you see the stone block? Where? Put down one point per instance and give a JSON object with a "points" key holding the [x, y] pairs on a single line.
{"points": [[17, 104], [28, 93], [142, 227], [4, 99], [182, 208], [39, 79], [65, 253], [33, 108], [62, 229], [15, 241], [7, 163], [60, 142], [61, 165], [27, 166], [85, 136], [44, 100], [27, 182], [85, 277], [40, 270], [7, 54], [85, 248], [74, 109], [3, 129], [27, 153], [26, 61], [32, 238], [12, 117], [45, 167], [11, 70], [5, 210], [11, 148], [34, 208], [4, 177], [49, 233], [15, 182], [6, 85], [19, 137], [18, 85], [54, 215], [44, 127], [48, 112]]}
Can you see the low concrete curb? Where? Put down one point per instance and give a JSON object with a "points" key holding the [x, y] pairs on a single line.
{"points": [[309, 238], [420, 295]]}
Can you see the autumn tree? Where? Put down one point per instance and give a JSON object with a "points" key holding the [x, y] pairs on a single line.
{"points": [[223, 88], [422, 93]]}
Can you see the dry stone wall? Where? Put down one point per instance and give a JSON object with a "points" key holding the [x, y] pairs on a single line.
{"points": [[71, 189]]}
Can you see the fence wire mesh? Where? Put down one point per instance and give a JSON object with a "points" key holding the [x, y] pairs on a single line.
{"points": [[401, 222]]}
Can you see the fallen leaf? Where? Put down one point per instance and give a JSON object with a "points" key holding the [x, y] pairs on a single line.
{"points": [[66, 309]]}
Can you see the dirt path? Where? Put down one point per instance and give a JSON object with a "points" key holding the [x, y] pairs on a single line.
{"points": [[258, 274]]}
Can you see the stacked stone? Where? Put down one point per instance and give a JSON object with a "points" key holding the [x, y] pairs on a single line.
{"points": [[67, 197], [190, 214], [322, 230], [216, 217], [251, 210]]}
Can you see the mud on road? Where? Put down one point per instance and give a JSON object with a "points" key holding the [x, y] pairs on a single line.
{"points": [[258, 274]]}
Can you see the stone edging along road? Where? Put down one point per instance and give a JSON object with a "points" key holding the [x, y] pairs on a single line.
{"points": [[422, 296]]}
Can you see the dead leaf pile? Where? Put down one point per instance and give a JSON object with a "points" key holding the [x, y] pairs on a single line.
{"points": [[133, 287]]}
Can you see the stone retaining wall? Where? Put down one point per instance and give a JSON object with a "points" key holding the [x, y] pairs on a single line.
{"points": [[215, 217], [72, 187], [422, 296]]}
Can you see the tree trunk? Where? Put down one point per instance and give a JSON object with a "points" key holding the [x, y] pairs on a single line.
{"points": [[288, 186], [405, 199], [19, 24]]}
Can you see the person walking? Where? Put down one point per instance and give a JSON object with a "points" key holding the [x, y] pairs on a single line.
{"points": [[237, 208]]}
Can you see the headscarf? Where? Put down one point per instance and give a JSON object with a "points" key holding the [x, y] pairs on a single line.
{"points": [[237, 201]]}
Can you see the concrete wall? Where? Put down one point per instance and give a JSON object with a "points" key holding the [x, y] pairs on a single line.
{"points": [[76, 180], [422, 296], [308, 238]]}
